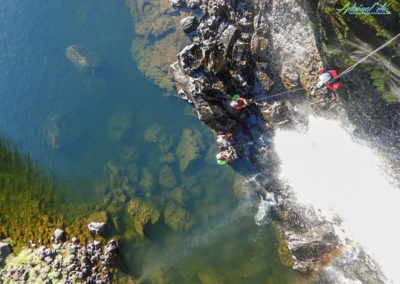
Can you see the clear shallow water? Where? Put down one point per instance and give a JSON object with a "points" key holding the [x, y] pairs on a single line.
{"points": [[99, 117]]}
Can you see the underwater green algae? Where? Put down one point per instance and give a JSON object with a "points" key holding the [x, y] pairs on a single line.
{"points": [[142, 213], [189, 148], [177, 217], [28, 206], [159, 38]]}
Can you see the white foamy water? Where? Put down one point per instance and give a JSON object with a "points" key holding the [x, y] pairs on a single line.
{"points": [[329, 170]]}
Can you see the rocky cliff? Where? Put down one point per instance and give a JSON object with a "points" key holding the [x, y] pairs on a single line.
{"points": [[255, 49]]}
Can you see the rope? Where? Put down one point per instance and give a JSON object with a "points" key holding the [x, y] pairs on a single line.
{"points": [[348, 70], [277, 95]]}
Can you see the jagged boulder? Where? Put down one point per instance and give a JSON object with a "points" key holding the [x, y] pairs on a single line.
{"points": [[259, 46], [277, 114], [189, 24], [96, 228]]}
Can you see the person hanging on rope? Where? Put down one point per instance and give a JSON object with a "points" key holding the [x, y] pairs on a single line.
{"points": [[238, 103], [327, 82]]}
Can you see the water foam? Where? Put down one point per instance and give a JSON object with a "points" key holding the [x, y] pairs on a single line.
{"points": [[328, 169]]}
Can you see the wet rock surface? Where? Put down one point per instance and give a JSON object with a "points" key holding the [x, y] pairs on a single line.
{"points": [[231, 54]]}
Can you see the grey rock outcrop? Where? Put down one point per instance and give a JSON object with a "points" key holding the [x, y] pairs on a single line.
{"points": [[189, 24], [228, 56], [58, 234], [96, 228]]}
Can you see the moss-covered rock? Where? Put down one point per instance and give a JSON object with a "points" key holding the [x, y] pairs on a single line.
{"points": [[147, 180], [189, 148], [159, 38], [119, 123], [177, 217], [167, 158], [58, 131], [165, 142], [99, 217], [142, 213], [133, 173], [167, 177], [82, 58], [177, 195], [153, 132], [156, 133]]}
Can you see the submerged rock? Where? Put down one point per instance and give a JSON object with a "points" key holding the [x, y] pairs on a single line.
{"points": [[167, 158], [189, 148], [58, 131], [147, 180], [119, 123], [82, 58], [167, 177], [177, 218], [159, 38], [158, 134], [189, 24], [142, 213]]}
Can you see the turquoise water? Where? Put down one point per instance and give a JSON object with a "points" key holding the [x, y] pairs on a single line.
{"points": [[98, 117]]}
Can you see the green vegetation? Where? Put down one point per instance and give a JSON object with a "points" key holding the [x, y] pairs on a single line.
{"points": [[340, 60], [379, 78]]}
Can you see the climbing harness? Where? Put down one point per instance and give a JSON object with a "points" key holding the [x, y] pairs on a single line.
{"points": [[348, 70]]}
